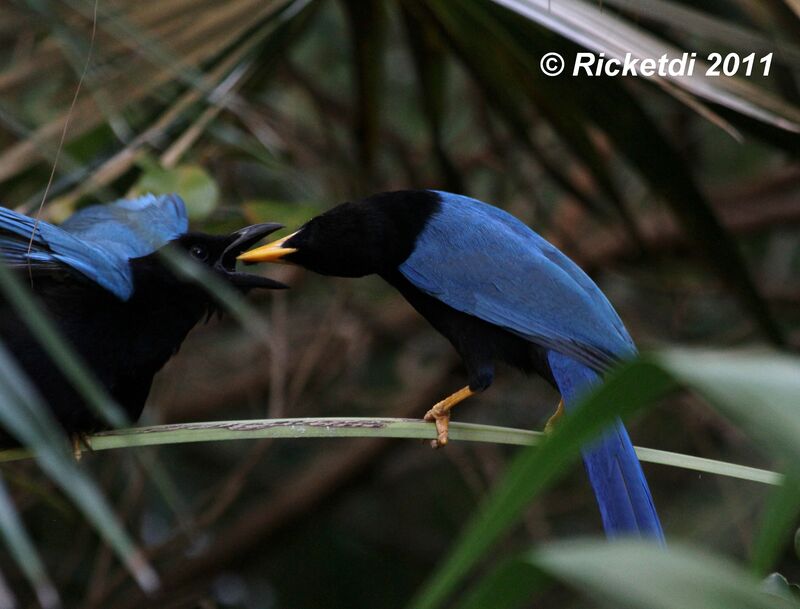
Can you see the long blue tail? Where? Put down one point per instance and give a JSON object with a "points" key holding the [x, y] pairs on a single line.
{"points": [[620, 487]]}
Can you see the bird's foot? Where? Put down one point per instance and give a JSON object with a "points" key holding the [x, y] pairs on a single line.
{"points": [[441, 417], [440, 414], [79, 442], [553, 420]]}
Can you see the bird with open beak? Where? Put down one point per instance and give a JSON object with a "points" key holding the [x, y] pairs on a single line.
{"points": [[102, 278]]}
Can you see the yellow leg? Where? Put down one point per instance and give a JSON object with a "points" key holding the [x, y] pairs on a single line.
{"points": [[551, 422], [77, 441], [440, 413]]}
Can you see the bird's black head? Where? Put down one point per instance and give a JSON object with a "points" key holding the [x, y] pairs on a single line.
{"points": [[220, 253], [217, 252], [373, 235]]}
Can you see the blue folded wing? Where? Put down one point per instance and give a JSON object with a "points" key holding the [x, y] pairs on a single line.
{"points": [[98, 241], [482, 261]]}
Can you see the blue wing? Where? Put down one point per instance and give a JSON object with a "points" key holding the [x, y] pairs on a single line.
{"points": [[483, 261], [97, 241]]}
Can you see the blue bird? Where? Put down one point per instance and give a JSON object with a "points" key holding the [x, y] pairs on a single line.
{"points": [[499, 293], [102, 280]]}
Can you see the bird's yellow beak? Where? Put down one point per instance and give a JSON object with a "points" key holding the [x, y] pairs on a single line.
{"points": [[271, 252]]}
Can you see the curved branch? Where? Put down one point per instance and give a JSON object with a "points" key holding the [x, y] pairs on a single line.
{"points": [[371, 427]]}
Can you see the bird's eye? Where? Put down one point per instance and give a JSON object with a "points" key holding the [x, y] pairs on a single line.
{"points": [[198, 252]]}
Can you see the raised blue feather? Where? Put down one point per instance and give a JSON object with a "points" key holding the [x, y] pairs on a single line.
{"points": [[98, 241]]}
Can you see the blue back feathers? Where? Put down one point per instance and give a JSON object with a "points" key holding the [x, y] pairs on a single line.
{"points": [[98, 241], [483, 261]]}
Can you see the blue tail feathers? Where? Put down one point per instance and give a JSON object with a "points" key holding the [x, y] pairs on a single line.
{"points": [[615, 474]]}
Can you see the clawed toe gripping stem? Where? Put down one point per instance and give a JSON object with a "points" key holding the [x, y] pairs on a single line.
{"points": [[440, 414]]}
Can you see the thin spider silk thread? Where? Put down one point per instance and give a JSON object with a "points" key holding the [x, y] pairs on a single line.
{"points": [[63, 138]]}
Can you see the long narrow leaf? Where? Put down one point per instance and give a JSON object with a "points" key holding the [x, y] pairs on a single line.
{"points": [[758, 391], [691, 21], [24, 552], [7, 600], [602, 31], [63, 354], [627, 573], [777, 524], [27, 418]]}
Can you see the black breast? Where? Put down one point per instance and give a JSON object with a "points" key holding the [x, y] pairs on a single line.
{"points": [[123, 343], [479, 343]]}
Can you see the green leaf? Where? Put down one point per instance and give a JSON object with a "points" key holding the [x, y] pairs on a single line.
{"points": [[192, 182], [777, 524], [636, 573], [24, 552], [757, 390], [29, 420], [604, 31], [778, 585], [63, 354], [630, 573], [373, 427], [512, 584], [709, 466]]}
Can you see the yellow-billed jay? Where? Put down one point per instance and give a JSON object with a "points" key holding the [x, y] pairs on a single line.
{"points": [[498, 292]]}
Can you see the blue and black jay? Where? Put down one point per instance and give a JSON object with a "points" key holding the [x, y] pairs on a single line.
{"points": [[499, 293], [101, 278]]}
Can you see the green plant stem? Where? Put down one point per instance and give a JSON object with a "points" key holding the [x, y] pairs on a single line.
{"points": [[365, 427]]}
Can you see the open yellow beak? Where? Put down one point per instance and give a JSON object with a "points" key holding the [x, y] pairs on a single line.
{"points": [[271, 252]]}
